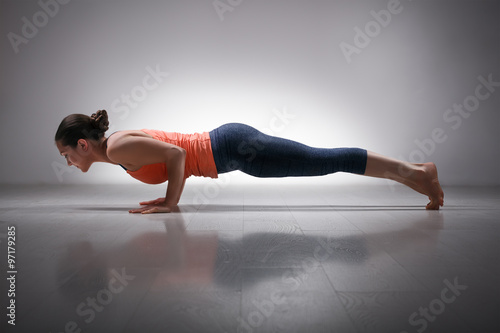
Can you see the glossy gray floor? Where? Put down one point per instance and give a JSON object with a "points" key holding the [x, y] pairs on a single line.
{"points": [[260, 258]]}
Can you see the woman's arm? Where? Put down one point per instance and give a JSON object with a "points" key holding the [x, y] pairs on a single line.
{"points": [[182, 188], [175, 168], [139, 151], [162, 200]]}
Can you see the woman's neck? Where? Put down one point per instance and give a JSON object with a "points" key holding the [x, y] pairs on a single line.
{"points": [[100, 154]]}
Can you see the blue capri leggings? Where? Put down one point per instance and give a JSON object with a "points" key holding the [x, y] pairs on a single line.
{"points": [[242, 147]]}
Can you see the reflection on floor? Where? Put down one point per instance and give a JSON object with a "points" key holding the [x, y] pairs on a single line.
{"points": [[252, 259]]}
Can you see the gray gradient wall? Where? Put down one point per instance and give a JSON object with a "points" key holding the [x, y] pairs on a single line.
{"points": [[417, 80]]}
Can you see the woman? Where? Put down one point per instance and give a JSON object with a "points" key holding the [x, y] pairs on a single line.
{"points": [[154, 156]]}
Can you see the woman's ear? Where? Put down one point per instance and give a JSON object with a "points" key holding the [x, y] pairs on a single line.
{"points": [[83, 144]]}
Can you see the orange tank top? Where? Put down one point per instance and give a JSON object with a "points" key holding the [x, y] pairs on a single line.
{"points": [[199, 157]]}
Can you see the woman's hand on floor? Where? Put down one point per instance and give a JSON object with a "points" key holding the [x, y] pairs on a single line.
{"points": [[158, 201], [153, 209]]}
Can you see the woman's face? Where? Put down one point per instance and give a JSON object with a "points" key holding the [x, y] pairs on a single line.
{"points": [[78, 156]]}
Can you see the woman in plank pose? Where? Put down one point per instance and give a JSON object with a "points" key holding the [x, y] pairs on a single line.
{"points": [[155, 156]]}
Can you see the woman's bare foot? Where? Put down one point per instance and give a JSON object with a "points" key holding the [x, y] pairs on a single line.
{"points": [[421, 177], [427, 183]]}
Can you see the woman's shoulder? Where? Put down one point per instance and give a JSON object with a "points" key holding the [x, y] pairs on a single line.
{"points": [[114, 137], [117, 145]]}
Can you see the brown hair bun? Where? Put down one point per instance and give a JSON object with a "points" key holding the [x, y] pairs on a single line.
{"points": [[99, 120]]}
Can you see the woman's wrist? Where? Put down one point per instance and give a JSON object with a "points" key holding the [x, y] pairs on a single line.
{"points": [[170, 203]]}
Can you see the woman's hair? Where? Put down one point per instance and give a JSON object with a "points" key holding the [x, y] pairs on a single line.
{"points": [[80, 126]]}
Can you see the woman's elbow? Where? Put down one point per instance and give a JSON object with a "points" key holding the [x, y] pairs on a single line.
{"points": [[177, 154], [182, 151]]}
